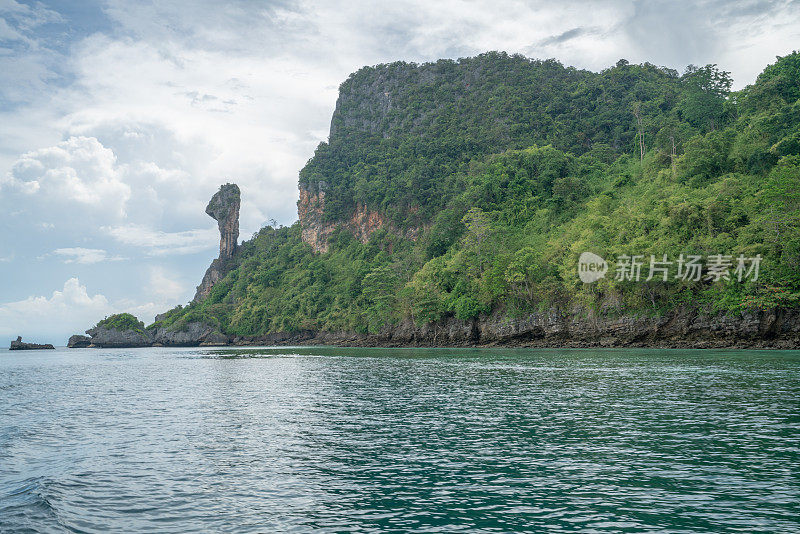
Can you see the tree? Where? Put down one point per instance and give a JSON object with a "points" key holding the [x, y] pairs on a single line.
{"points": [[782, 194], [478, 229], [637, 112], [379, 288], [706, 89], [523, 272]]}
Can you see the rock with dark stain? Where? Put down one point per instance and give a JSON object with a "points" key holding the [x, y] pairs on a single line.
{"points": [[20, 345], [106, 338], [224, 208], [79, 342], [188, 335]]}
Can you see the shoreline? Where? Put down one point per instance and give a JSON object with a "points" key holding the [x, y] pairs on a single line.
{"points": [[682, 329]]}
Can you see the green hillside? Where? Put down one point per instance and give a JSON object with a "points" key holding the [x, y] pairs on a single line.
{"points": [[509, 169]]}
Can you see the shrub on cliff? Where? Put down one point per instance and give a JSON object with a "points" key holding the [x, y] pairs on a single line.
{"points": [[122, 321]]}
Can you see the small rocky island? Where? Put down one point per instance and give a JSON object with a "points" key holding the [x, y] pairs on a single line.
{"points": [[18, 344], [123, 330]]}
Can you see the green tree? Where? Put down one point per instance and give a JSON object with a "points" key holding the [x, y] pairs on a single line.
{"points": [[703, 102]]}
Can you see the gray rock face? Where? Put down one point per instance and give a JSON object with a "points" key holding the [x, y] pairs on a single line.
{"points": [[689, 328], [107, 338], [192, 335], [79, 342], [224, 208], [18, 344]]}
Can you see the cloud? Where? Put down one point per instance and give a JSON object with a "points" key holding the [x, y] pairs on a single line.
{"points": [[159, 243], [164, 286], [568, 35], [27, 17], [29, 63], [85, 256], [41, 317], [72, 310], [79, 170]]}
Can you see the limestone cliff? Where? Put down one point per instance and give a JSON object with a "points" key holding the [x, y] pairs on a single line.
{"points": [[79, 342], [310, 209], [315, 231], [224, 208], [190, 335]]}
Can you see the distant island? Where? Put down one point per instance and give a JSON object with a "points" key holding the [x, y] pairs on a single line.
{"points": [[18, 344], [454, 201]]}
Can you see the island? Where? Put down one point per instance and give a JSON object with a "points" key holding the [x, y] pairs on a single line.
{"points": [[501, 200], [18, 344]]}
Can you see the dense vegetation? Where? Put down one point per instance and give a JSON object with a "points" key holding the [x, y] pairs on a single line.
{"points": [[514, 167], [121, 321]]}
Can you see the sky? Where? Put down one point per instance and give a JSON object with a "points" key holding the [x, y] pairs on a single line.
{"points": [[120, 119]]}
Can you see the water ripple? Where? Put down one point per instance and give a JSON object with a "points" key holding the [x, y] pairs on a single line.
{"points": [[329, 439]]}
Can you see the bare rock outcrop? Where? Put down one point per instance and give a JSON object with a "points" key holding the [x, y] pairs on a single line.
{"points": [[190, 335], [103, 337], [79, 342], [224, 208], [682, 328], [315, 230], [310, 209], [18, 344]]}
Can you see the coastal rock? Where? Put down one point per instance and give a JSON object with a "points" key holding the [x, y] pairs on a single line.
{"points": [[224, 208], [79, 342], [683, 328], [18, 344], [116, 338], [191, 335], [215, 272]]}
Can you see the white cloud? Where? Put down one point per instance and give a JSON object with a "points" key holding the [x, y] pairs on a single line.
{"points": [[79, 170], [163, 285], [253, 120], [70, 308], [27, 63], [158, 243], [84, 256], [27, 17]]}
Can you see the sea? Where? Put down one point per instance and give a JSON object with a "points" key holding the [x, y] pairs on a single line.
{"points": [[324, 439]]}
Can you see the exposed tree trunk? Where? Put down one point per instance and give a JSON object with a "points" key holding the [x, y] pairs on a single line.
{"points": [[637, 112], [672, 156]]}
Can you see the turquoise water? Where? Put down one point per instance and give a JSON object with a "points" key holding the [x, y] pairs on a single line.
{"points": [[367, 440]]}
